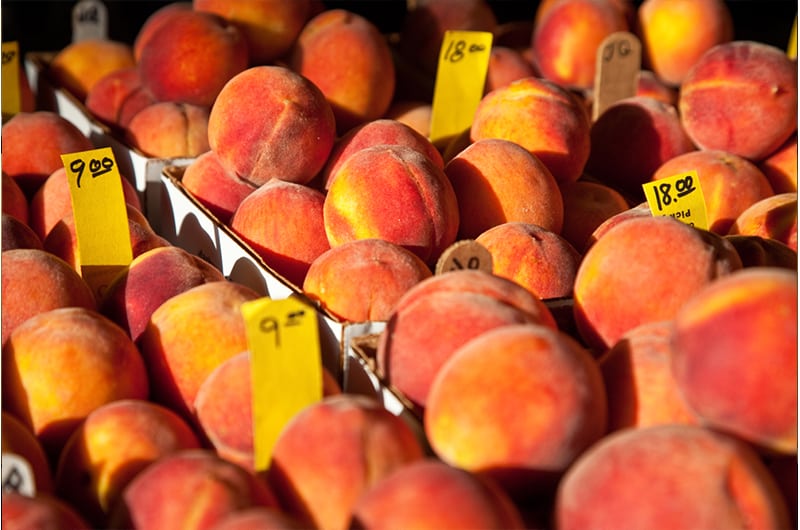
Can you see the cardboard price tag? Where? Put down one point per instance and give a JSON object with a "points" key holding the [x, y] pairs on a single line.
{"points": [[460, 78], [286, 367], [618, 61], [17, 475], [11, 99], [89, 20], [464, 254], [678, 196]]}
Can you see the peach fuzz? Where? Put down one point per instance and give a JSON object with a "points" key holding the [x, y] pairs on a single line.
{"points": [[270, 27], [644, 270], [214, 186], [536, 258], [542, 117], [283, 223], [364, 443], [773, 217], [675, 475], [565, 40], [169, 129], [180, 353], [740, 97], [422, 214], [203, 489], [631, 139], [157, 19], [506, 65], [498, 181], [675, 34], [640, 386], [191, 57], [116, 97], [149, 280], [36, 281], [111, 446], [552, 397], [17, 234], [294, 117], [18, 439], [717, 336], [60, 365], [757, 251], [15, 203], [224, 405], [79, 65], [425, 490], [21, 512], [780, 167], [362, 280], [33, 143], [587, 205], [730, 184]]}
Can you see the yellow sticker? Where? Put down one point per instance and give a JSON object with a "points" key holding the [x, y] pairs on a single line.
{"points": [[678, 196], [11, 102], [618, 61], [460, 78], [286, 367], [100, 213], [791, 49]]}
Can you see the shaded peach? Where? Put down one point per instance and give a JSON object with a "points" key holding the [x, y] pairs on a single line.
{"points": [[648, 84], [587, 204], [214, 186], [15, 203], [169, 129], [79, 65], [640, 210], [115, 98], [506, 65], [18, 439], [757, 251], [773, 217], [21, 512], [415, 114], [780, 167], [17, 234], [259, 518], [158, 18]]}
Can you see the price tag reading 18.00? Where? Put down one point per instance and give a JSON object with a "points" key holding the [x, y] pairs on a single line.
{"points": [[11, 101], [678, 196], [285, 367]]}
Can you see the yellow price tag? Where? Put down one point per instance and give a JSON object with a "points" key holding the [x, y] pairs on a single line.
{"points": [[11, 101], [460, 78], [678, 196], [791, 50], [100, 213], [286, 367]]}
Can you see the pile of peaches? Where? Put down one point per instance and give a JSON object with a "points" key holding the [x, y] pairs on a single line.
{"points": [[615, 369]]}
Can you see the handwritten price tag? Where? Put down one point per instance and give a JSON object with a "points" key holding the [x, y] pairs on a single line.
{"points": [[18, 475], [460, 78], [89, 20], [464, 254], [617, 66], [11, 101], [286, 367], [101, 217], [678, 196]]}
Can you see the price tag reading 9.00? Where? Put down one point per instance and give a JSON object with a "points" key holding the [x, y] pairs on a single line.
{"points": [[678, 196]]}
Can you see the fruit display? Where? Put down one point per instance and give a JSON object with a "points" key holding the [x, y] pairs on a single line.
{"points": [[528, 324]]}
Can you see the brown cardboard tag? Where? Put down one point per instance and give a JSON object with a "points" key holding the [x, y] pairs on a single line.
{"points": [[618, 61], [464, 254]]}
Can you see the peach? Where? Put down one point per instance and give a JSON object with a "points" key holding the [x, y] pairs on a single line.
{"points": [[647, 84], [784, 469], [588, 204], [396, 193], [541, 404], [269, 27], [259, 518], [33, 143], [730, 183], [36, 281], [363, 443], [201, 487], [740, 97], [169, 129], [283, 222], [565, 39], [17, 234], [773, 217], [224, 405], [542, 117], [506, 65], [498, 181], [158, 18], [640, 210], [631, 139], [675, 34], [643, 270], [780, 167], [15, 203], [420, 495], [21, 512], [111, 446], [18, 439], [717, 336], [675, 476], [294, 117], [534, 257], [60, 365], [362, 280], [115, 98], [214, 186], [190, 58], [757, 251], [180, 353], [153, 277], [79, 65], [415, 114]]}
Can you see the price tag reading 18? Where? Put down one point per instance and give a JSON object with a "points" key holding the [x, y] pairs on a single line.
{"points": [[10, 93], [678, 196]]}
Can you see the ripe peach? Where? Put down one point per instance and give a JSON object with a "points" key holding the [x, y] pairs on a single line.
{"points": [[294, 117], [15, 203], [111, 446], [283, 222], [717, 336], [587, 204], [675, 34], [675, 476], [647, 84], [730, 183], [169, 129], [780, 167], [415, 114], [421, 216], [214, 186], [362, 280], [542, 117], [17, 234], [21, 512], [740, 97], [773, 217], [640, 210], [18, 439], [506, 65], [115, 98], [363, 442], [259, 518], [757, 251], [158, 18], [60, 365], [191, 57], [643, 270], [79, 65], [559, 406]]}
